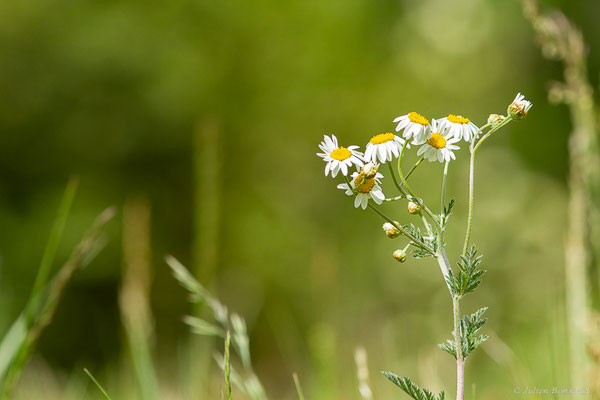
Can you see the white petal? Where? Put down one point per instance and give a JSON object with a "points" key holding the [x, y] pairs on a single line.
{"points": [[335, 168], [365, 202]]}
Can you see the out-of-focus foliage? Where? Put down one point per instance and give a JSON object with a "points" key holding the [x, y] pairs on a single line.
{"points": [[116, 91]]}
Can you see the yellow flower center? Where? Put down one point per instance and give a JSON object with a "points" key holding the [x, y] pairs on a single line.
{"points": [[341, 154], [367, 183], [418, 118], [382, 138], [457, 119], [437, 141]]}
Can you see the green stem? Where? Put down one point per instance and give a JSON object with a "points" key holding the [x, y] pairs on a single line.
{"points": [[396, 198], [394, 178], [404, 184], [473, 149], [414, 167], [460, 366], [427, 226], [444, 182]]}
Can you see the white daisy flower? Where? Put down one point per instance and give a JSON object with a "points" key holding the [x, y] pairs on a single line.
{"points": [[367, 188], [519, 107], [383, 147], [458, 126], [338, 157], [415, 127], [440, 145]]}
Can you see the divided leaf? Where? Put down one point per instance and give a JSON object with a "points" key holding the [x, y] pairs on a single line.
{"points": [[412, 389], [467, 278], [470, 325], [420, 252]]}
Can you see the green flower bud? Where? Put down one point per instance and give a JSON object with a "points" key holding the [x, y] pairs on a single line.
{"points": [[495, 119], [413, 208], [400, 255], [390, 230]]}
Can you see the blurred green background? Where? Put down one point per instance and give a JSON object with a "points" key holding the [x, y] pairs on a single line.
{"points": [[212, 112]]}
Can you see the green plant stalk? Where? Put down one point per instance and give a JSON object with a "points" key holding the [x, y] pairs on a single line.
{"points": [[134, 294], [49, 255], [444, 183], [100, 388], [473, 149], [395, 179], [227, 365], [460, 366], [414, 167], [298, 387]]}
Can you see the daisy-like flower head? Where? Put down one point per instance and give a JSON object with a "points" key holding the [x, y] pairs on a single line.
{"points": [[416, 127], [383, 147], [338, 158], [440, 145], [519, 107], [458, 126], [366, 188]]}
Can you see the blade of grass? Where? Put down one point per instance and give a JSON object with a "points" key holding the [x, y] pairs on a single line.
{"points": [[228, 365], [17, 333], [50, 251], [79, 257], [298, 387], [97, 384], [134, 296]]}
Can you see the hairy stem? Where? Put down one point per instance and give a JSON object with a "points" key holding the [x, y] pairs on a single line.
{"points": [[460, 366], [474, 148]]}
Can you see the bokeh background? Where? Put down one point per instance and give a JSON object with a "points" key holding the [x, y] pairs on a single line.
{"points": [[210, 113]]}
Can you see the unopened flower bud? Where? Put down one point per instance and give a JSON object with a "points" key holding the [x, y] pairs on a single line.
{"points": [[413, 208], [400, 255], [369, 170], [495, 119], [519, 107], [390, 230]]}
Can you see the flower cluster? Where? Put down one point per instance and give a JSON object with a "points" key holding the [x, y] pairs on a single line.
{"points": [[436, 139]]}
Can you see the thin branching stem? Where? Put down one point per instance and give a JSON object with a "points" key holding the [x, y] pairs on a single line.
{"points": [[473, 148], [404, 184], [444, 183], [395, 179], [414, 167]]}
